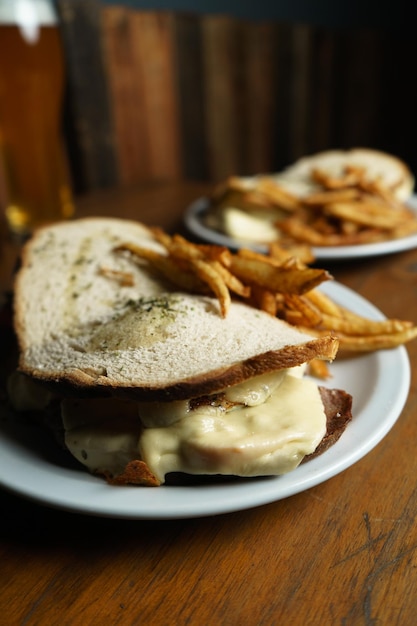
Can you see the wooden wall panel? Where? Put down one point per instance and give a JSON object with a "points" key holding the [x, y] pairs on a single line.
{"points": [[165, 95], [89, 119]]}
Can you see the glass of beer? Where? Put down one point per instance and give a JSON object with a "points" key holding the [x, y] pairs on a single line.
{"points": [[32, 153]]}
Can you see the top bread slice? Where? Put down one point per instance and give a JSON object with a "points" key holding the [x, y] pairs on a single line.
{"points": [[83, 331], [389, 169]]}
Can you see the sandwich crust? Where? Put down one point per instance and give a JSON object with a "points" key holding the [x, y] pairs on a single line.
{"points": [[76, 382]]}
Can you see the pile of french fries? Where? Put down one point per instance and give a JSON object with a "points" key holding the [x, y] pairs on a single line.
{"points": [[278, 283], [349, 209]]}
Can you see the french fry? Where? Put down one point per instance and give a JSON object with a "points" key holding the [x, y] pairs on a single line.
{"points": [[366, 343], [161, 236], [323, 303], [181, 248], [123, 278], [405, 229], [231, 281], [373, 343], [386, 325], [282, 250], [287, 261], [302, 231], [277, 194], [327, 197], [367, 213], [172, 271], [207, 273], [355, 325], [309, 314], [348, 228], [295, 318], [264, 299], [254, 271], [299, 230], [247, 253], [352, 176], [319, 369], [376, 188]]}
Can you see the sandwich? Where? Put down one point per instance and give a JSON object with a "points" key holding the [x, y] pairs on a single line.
{"points": [[335, 197], [149, 382]]}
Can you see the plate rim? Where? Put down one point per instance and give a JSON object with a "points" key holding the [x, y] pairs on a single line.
{"points": [[192, 221], [100, 499]]}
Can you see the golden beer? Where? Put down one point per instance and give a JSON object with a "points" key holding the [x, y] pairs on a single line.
{"points": [[31, 92]]}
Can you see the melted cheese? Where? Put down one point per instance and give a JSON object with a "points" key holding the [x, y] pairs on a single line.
{"points": [[256, 391], [102, 434], [267, 439], [279, 420], [246, 226], [251, 392]]}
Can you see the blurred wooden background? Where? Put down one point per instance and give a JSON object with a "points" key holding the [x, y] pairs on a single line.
{"points": [[167, 95]]}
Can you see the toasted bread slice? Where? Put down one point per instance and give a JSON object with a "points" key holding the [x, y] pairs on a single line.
{"points": [[83, 330]]}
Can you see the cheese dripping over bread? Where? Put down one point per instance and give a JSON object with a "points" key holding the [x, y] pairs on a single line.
{"points": [[264, 426]]}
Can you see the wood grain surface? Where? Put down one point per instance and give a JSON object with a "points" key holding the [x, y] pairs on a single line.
{"points": [[162, 95], [342, 553]]}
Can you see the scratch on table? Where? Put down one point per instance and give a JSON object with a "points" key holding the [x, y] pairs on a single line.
{"points": [[392, 520], [374, 576], [379, 566], [369, 543]]}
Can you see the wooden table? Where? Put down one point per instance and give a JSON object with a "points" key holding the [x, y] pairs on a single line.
{"points": [[344, 552]]}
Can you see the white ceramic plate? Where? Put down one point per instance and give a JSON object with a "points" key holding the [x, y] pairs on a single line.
{"points": [[194, 222], [379, 383]]}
